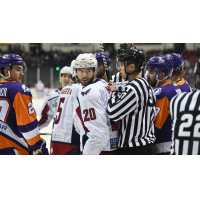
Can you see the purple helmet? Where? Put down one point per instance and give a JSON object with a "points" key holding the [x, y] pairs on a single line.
{"points": [[8, 60], [99, 57], [160, 64], [177, 59]]}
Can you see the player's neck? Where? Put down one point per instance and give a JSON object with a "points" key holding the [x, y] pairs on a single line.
{"points": [[175, 79], [163, 82], [134, 76], [3, 79]]}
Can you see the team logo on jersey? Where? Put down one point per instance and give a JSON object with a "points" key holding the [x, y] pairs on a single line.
{"points": [[114, 143], [108, 89], [85, 93], [25, 88], [54, 103], [157, 91]]}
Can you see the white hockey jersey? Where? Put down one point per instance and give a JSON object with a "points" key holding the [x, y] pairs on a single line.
{"points": [[64, 131], [97, 133], [49, 109]]}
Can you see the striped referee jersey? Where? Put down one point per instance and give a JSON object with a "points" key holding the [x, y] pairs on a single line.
{"points": [[118, 81], [185, 112], [134, 109]]}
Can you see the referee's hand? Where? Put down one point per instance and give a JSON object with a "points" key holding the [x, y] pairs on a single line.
{"points": [[112, 87]]}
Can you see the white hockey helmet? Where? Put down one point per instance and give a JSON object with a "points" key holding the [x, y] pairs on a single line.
{"points": [[72, 66], [65, 70], [85, 60]]}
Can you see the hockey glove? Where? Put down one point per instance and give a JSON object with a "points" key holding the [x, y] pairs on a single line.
{"points": [[43, 150]]}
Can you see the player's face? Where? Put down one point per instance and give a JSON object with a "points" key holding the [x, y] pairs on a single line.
{"points": [[122, 70], [65, 80], [85, 76], [101, 71], [16, 73], [151, 77]]}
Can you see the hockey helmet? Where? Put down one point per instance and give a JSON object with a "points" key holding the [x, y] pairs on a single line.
{"points": [[8, 60], [177, 60], [161, 64], [129, 56], [85, 60]]}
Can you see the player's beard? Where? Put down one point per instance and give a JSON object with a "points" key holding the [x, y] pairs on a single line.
{"points": [[89, 82], [152, 82]]}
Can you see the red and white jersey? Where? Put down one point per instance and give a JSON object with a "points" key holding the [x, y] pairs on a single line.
{"points": [[98, 135], [64, 130], [49, 109]]}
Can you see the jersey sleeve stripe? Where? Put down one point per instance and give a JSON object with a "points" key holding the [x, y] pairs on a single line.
{"points": [[31, 134], [28, 127], [8, 142], [44, 117], [33, 140]]}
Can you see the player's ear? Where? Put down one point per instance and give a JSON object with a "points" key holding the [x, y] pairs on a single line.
{"points": [[5, 72], [162, 75], [132, 67]]}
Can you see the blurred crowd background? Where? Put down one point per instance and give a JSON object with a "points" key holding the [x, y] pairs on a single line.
{"points": [[44, 60]]}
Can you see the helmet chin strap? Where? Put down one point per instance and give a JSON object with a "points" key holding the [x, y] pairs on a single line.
{"points": [[158, 80], [8, 77]]}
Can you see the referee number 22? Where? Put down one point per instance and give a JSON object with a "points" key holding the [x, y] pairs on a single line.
{"points": [[189, 118]]}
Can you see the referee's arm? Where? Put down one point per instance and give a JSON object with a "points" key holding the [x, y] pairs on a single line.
{"points": [[122, 105]]}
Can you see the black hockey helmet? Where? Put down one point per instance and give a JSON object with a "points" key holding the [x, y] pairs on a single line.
{"points": [[124, 46], [197, 73], [134, 56]]}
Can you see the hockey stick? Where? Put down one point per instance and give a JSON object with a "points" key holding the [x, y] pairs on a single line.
{"points": [[105, 62], [45, 133]]}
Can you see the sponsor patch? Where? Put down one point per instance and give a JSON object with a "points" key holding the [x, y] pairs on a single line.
{"points": [[3, 127], [114, 143], [25, 88], [54, 103], [157, 91]]}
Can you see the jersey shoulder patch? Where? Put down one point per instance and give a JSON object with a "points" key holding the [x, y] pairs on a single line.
{"points": [[157, 91], [25, 88]]}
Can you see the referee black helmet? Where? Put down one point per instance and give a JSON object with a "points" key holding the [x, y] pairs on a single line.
{"points": [[132, 56]]}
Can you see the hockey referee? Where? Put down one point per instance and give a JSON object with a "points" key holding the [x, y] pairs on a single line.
{"points": [[185, 112], [134, 108]]}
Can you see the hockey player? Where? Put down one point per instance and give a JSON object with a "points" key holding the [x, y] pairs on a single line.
{"points": [[98, 135], [65, 139], [49, 108], [177, 75], [101, 74], [19, 132], [185, 114], [134, 108], [159, 71]]}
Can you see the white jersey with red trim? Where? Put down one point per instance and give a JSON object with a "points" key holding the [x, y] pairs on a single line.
{"points": [[97, 133], [63, 130], [49, 109]]}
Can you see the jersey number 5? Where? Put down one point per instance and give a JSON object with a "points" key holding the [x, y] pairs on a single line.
{"points": [[59, 110]]}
